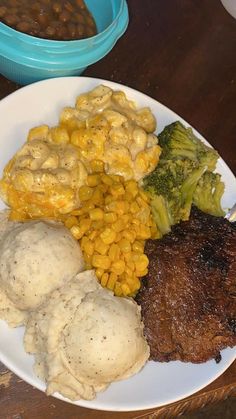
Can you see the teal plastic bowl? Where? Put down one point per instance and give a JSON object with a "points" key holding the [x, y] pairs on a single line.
{"points": [[25, 59]]}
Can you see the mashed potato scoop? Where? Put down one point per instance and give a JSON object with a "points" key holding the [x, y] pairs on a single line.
{"points": [[84, 338], [36, 257]]}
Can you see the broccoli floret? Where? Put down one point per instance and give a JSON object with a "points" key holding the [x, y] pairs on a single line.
{"points": [[208, 193], [171, 187], [173, 180], [181, 143], [181, 168], [175, 142], [168, 175]]}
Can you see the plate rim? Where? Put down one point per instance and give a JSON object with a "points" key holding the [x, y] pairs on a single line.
{"points": [[15, 369]]}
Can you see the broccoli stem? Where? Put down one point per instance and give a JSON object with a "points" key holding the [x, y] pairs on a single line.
{"points": [[187, 190], [161, 214]]}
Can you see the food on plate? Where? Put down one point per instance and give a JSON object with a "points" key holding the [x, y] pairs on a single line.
{"points": [[36, 257], [188, 296], [84, 338], [104, 128], [184, 175], [112, 225], [8, 310], [42, 179], [208, 193], [60, 20]]}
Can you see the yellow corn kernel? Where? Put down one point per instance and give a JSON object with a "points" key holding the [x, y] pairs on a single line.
{"points": [[128, 197], [118, 267], [132, 187], [155, 233], [144, 216], [88, 261], [131, 265], [101, 261], [137, 246], [114, 252], [93, 180], [129, 280], [136, 283], [129, 235], [118, 237], [117, 189], [143, 232], [119, 225], [97, 166], [99, 272], [97, 224], [141, 273], [108, 235], [111, 281], [144, 195], [136, 221], [104, 279], [128, 272], [85, 224], [97, 197], [110, 217], [128, 256], [116, 178], [15, 215], [83, 241], [71, 221], [85, 193], [77, 232], [120, 207], [124, 245], [150, 221], [93, 235], [118, 289], [87, 207], [89, 247], [141, 202], [96, 214], [134, 207], [122, 257], [106, 179], [126, 218], [108, 199], [100, 246], [125, 206], [103, 188], [141, 261], [77, 212], [125, 289]]}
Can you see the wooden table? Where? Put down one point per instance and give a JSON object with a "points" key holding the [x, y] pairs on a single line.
{"points": [[182, 53]]}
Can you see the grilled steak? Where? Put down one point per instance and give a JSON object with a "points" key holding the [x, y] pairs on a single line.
{"points": [[188, 298]]}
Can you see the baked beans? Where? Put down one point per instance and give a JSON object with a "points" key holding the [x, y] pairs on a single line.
{"points": [[61, 20]]}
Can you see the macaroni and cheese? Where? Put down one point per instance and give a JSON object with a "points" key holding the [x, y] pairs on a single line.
{"points": [[104, 128]]}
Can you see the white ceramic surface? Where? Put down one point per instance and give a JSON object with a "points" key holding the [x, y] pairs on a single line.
{"points": [[230, 6], [158, 383]]}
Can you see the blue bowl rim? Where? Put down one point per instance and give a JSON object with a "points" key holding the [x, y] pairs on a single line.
{"points": [[88, 63], [45, 42]]}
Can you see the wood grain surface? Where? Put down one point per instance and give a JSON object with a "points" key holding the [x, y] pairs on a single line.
{"points": [[182, 53]]}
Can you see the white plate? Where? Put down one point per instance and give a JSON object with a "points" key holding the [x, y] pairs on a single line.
{"points": [[158, 383]]}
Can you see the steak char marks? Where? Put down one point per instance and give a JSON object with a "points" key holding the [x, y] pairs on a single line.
{"points": [[188, 298]]}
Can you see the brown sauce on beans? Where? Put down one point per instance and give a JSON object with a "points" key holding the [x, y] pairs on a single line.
{"points": [[60, 20]]}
